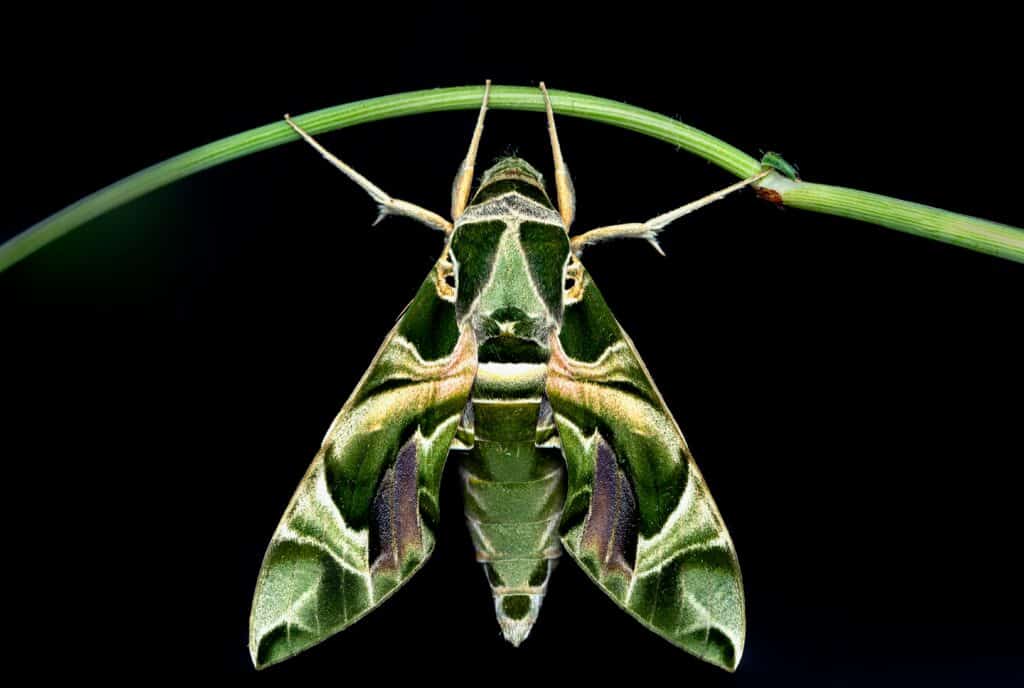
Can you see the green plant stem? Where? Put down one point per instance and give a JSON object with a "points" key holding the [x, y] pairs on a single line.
{"points": [[968, 232], [979, 235]]}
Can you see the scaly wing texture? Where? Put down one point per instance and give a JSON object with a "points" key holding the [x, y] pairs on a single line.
{"points": [[362, 519], [638, 516]]}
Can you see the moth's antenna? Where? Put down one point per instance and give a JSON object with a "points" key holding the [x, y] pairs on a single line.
{"points": [[464, 178], [563, 182], [649, 230]]}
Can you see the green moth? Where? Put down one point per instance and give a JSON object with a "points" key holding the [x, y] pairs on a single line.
{"points": [[508, 358]]}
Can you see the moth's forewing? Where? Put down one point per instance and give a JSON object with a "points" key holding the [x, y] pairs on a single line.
{"points": [[363, 518], [638, 516]]}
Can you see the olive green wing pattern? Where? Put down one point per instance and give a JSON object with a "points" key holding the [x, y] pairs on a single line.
{"points": [[363, 518], [638, 516]]}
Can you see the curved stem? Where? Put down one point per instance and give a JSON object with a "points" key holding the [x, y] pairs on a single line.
{"points": [[978, 235]]}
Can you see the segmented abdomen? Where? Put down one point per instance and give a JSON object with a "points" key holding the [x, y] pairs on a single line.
{"points": [[514, 491]]}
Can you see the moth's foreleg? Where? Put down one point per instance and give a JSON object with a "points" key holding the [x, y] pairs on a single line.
{"points": [[563, 182], [387, 204], [649, 230], [464, 178]]}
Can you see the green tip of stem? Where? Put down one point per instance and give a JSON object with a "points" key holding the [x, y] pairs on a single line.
{"points": [[774, 161]]}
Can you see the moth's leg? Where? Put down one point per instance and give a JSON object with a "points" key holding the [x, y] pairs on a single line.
{"points": [[387, 204], [563, 182], [649, 230], [464, 178]]}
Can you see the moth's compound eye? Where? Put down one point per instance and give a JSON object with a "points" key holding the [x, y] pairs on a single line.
{"points": [[573, 280], [446, 280]]}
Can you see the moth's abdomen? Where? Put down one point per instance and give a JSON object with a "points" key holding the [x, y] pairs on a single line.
{"points": [[514, 491], [514, 525]]}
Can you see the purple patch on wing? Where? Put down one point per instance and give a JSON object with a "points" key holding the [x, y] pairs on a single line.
{"points": [[396, 519], [610, 529]]}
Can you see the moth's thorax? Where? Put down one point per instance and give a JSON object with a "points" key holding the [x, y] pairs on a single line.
{"points": [[508, 253]]}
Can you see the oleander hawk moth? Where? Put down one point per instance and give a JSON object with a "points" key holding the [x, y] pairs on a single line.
{"points": [[508, 357]]}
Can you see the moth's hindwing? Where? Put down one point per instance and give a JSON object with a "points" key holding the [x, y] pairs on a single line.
{"points": [[638, 516], [363, 518]]}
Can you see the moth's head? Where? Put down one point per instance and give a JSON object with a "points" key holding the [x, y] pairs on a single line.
{"points": [[506, 274], [512, 169]]}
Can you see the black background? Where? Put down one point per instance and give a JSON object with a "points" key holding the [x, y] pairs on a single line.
{"points": [[852, 395]]}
